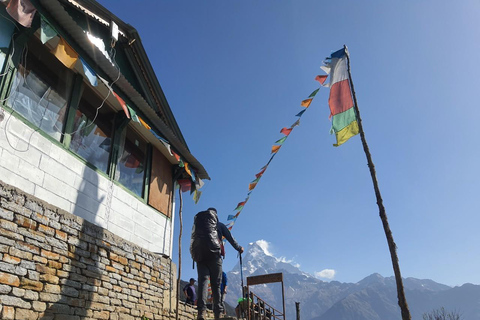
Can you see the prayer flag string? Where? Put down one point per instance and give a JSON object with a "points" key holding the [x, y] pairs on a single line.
{"points": [[274, 150]]}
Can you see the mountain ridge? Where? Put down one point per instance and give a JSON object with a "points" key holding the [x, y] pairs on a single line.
{"points": [[372, 298]]}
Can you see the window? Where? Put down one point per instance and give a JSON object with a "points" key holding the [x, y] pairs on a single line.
{"points": [[41, 89], [92, 130], [131, 162], [6, 30]]}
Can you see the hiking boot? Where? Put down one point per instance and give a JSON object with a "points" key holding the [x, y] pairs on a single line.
{"points": [[200, 316]]}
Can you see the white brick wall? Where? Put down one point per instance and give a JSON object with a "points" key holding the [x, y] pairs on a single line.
{"points": [[37, 166]]}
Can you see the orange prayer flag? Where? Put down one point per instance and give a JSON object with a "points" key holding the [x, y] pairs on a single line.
{"points": [[275, 149], [252, 186], [65, 54], [187, 168], [306, 103], [144, 123], [176, 155]]}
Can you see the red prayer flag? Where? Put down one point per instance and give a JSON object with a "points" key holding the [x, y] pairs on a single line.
{"points": [[123, 104], [176, 155], [286, 131], [258, 175], [185, 184], [321, 79]]}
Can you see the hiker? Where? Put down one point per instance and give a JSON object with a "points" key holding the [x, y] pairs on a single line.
{"points": [[242, 304], [190, 293], [223, 291], [206, 251]]}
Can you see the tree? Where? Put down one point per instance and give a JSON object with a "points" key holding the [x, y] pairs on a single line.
{"points": [[442, 314]]}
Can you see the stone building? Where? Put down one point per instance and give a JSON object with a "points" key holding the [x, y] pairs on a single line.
{"points": [[90, 157]]}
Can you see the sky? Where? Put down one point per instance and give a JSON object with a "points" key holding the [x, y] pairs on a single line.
{"points": [[234, 74]]}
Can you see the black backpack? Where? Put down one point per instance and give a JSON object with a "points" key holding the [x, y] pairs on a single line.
{"points": [[204, 244]]}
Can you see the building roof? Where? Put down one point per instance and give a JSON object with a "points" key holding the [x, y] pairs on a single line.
{"points": [[152, 103]]}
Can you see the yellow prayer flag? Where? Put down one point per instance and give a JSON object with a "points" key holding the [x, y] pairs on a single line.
{"points": [[65, 54], [346, 133]]}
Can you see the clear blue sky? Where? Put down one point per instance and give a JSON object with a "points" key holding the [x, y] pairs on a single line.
{"points": [[235, 72]]}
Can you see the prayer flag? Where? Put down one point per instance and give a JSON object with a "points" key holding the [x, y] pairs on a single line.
{"points": [[281, 141], [22, 11], [199, 183], [300, 113], [123, 104], [306, 103], [344, 119], [90, 74], [144, 123], [240, 205], [286, 131], [256, 180], [196, 196], [275, 149], [314, 93], [65, 54], [258, 175], [46, 31], [185, 184], [252, 186], [296, 123], [176, 155], [187, 168], [322, 78]]}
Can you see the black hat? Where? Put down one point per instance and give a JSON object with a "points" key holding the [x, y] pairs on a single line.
{"points": [[192, 279]]}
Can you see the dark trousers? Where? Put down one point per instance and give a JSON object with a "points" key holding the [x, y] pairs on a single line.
{"points": [[212, 268]]}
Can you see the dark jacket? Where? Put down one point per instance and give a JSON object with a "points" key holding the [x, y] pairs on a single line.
{"points": [[223, 231]]}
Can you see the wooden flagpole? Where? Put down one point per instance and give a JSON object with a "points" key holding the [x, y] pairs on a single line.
{"points": [[179, 251], [402, 302]]}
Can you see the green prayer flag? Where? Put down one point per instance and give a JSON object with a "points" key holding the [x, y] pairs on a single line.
{"points": [[281, 141], [133, 114], [46, 32], [314, 93]]}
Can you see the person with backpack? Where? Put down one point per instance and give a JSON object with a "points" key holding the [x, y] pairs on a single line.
{"points": [[206, 249]]}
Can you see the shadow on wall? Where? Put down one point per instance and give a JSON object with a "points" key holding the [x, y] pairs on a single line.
{"points": [[78, 286]]}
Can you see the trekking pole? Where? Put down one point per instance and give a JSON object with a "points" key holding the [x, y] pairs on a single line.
{"points": [[241, 273]]}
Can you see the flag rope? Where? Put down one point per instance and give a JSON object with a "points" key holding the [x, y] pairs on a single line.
{"points": [[274, 150]]}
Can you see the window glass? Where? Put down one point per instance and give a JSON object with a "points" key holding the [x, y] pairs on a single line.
{"points": [[41, 89], [92, 130], [131, 163], [6, 31]]}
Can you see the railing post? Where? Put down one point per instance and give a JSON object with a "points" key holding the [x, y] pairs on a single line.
{"points": [[297, 307]]}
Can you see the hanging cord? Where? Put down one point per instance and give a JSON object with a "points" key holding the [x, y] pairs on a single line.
{"points": [[179, 252], [15, 91]]}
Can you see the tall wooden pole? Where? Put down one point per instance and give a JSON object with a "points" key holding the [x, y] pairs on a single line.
{"points": [[179, 251], [402, 301]]}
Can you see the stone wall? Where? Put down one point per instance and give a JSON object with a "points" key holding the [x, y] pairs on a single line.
{"points": [[55, 265]]}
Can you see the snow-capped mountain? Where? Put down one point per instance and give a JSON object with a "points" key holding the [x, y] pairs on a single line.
{"points": [[373, 298]]}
